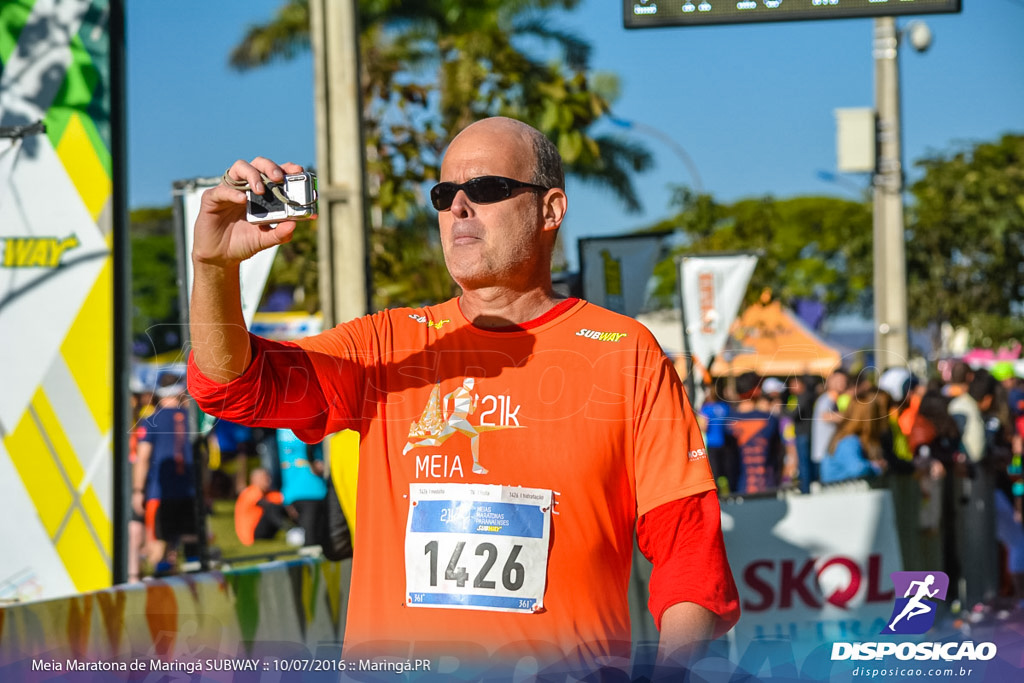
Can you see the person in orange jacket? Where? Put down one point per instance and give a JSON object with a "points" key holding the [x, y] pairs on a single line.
{"points": [[259, 510]]}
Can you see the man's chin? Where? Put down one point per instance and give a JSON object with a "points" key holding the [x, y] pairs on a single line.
{"points": [[471, 278], [469, 284]]}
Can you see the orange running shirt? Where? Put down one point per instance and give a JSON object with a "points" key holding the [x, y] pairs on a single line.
{"points": [[580, 402]]}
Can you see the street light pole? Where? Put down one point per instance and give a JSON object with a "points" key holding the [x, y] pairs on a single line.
{"points": [[666, 139], [890, 278], [344, 269]]}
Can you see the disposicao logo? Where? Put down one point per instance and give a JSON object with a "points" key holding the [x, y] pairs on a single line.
{"points": [[914, 613]]}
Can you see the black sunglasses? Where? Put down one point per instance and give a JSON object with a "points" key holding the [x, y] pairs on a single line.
{"points": [[483, 190]]}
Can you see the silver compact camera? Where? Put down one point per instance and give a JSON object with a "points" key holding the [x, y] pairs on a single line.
{"points": [[292, 200]]}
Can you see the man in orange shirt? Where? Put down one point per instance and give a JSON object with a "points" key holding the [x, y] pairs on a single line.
{"points": [[506, 533]]}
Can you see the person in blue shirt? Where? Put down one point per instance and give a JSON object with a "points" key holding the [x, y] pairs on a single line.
{"points": [[712, 416], [303, 485], [163, 476]]}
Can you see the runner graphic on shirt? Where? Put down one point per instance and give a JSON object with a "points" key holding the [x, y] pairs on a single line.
{"points": [[442, 419]]}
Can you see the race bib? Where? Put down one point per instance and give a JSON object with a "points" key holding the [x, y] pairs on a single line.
{"points": [[477, 546]]}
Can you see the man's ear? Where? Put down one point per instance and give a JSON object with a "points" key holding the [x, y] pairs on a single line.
{"points": [[555, 204]]}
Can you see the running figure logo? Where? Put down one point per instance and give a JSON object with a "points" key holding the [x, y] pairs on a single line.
{"points": [[444, 418], [914, 613]]}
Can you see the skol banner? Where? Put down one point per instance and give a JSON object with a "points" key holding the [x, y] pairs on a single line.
{"points": [[615, 270], [712, 291], [811, 569], [825, 598], [56, 297]]}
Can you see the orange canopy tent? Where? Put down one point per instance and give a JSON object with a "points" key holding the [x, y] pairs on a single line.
{"points": [[771, 341]]}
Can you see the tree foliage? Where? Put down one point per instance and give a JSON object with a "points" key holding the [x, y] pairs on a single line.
{"points": [[810, 247], [156, 312], [965, 249], [429, 68], [965, 243]]}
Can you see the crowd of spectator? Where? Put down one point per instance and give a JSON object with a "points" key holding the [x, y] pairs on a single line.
{"points": [[948, 448]]}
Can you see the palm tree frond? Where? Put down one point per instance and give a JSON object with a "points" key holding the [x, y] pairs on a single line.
{"points": [[285, 36], [575, 50]]}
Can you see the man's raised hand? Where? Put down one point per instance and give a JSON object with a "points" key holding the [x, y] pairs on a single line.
{"points": [[222, 235]]}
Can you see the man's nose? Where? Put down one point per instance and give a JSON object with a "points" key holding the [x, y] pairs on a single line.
{"points": [[461, 206]]}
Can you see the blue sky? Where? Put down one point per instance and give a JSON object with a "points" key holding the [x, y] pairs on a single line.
{"points": [[751, 105]]}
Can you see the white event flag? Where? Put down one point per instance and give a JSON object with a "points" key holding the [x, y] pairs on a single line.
{"points": [[712, 291]]}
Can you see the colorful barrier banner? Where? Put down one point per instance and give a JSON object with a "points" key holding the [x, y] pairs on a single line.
{"points": [[815, 605], [825, 598], [206, 627]]}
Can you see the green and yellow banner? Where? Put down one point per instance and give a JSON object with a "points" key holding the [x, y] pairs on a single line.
{"points": [[56, 298]]}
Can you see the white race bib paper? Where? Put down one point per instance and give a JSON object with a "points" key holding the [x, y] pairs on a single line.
{"points": [[477, 546]]}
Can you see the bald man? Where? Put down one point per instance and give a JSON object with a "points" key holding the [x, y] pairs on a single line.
{"points": [[581, 420]]}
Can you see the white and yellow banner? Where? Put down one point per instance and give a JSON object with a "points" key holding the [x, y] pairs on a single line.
{"points": [[56, 298]]}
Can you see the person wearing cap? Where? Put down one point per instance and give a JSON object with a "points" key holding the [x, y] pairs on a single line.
{"points": [[900, 400], [894, 382], [584, 435], [163, 481], [1003, 370], [773, 400], [897, 384]]}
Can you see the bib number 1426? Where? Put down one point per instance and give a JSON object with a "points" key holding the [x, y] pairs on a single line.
{"points": [[512, 573], [477, 547]]}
